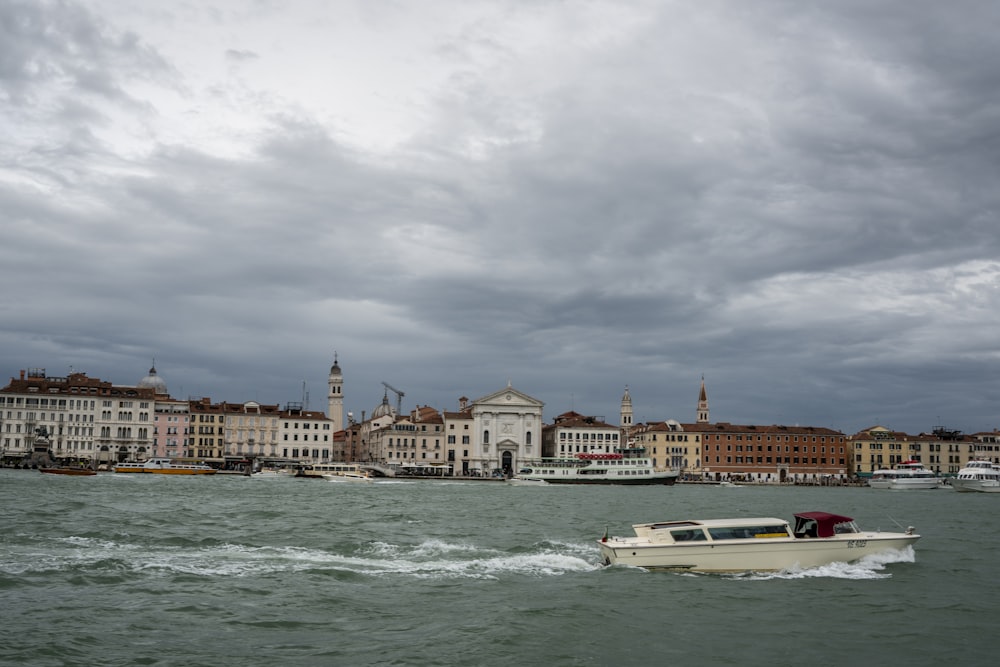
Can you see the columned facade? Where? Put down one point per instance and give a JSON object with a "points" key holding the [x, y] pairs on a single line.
{"points": [[506, 429]]}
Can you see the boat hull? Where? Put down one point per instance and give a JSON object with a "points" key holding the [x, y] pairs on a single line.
{"points": [[75, 472], [650, 480], [757, 555], [916, 484], [976, 485]]}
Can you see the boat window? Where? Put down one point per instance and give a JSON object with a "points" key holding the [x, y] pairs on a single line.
{"points": [[690, 535], [747, 532]]}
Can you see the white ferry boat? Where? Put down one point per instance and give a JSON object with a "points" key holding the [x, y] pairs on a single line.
{"points": [[743, 545], [331, 470], [627, 467], [978, 476], [906, 475], [166, 466]]}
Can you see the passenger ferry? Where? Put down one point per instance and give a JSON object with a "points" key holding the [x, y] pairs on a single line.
{"points": [[906, 475], [749, 544], [166, 466], [628, 466]]}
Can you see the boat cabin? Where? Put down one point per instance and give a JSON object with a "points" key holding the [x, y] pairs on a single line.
{"points": [[823, 524], [713, 530]]}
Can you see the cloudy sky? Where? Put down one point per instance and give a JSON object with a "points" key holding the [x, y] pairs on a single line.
{"points": [[797, 200]]}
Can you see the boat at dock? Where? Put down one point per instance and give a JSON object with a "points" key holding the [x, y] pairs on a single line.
{"points": [[166, 466], [906, 475], [69, 470], [629, 466], [335, 471], [350, 476], [749, 544], [978, 476]]}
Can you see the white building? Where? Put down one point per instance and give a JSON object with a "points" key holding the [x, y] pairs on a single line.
{"points": [[503, 429]]}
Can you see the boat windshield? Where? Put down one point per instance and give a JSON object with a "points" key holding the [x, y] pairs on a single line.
{"points": [[846, 527]]}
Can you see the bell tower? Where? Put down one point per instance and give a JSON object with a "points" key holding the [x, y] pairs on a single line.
{"points": [[335, 399], [702, 403], [626, 417]]}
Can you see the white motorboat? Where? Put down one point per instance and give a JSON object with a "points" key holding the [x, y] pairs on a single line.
{"points": [[526, 481], [166, 466], [906, 475], [349, 476], [272, 473], [627, 466], [742, 545], [978, 476]]}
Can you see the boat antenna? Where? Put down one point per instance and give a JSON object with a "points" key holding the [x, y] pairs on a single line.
{"points": [[896, 522]]}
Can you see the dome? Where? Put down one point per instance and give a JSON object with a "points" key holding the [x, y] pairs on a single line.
{"points": [[335, 369], [154, 382], [383, 410]]}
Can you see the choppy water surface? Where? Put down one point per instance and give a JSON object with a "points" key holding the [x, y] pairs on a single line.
{"points": [[161, 570]]}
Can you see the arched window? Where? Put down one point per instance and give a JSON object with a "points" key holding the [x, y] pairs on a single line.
{"points": [[486, 437], [527, 438]]}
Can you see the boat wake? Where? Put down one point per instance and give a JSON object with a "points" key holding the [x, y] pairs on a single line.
{"points": [[869, 567], [427, 560]]}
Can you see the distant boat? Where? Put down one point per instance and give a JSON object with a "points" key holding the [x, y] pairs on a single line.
{"points": [[628, 466], [272, 473], [350, 476], [978, 476], [66, 470], [906, 475], [330, 470], [166, 466]]}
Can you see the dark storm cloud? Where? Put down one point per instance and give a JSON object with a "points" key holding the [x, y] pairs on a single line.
{"points": [[796, 200]]}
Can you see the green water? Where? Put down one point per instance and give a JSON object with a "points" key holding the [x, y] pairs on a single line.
{"points": [[161, 570]]}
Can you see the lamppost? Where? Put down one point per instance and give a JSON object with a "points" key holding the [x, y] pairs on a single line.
{"points": [[250, 455]]}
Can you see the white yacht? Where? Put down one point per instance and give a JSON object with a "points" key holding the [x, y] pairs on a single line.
{"points": [[743, 545], [906, 475], [978, 476]]}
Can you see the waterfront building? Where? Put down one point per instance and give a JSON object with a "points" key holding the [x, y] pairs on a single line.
{"points": [[411, 444], [572, 433], [83, 419], [303, 435], [771, 453], [670, 446], [369, 439], [944, 451], [250, 432], [207, 429], [986, 445], [171, 426], [503, 428], [458, 427]]}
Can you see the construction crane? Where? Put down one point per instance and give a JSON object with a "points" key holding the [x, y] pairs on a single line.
{"points": [[399, 396]]}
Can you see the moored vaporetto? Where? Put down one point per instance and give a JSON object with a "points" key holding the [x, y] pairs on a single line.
{"points": [[628, 466]]}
